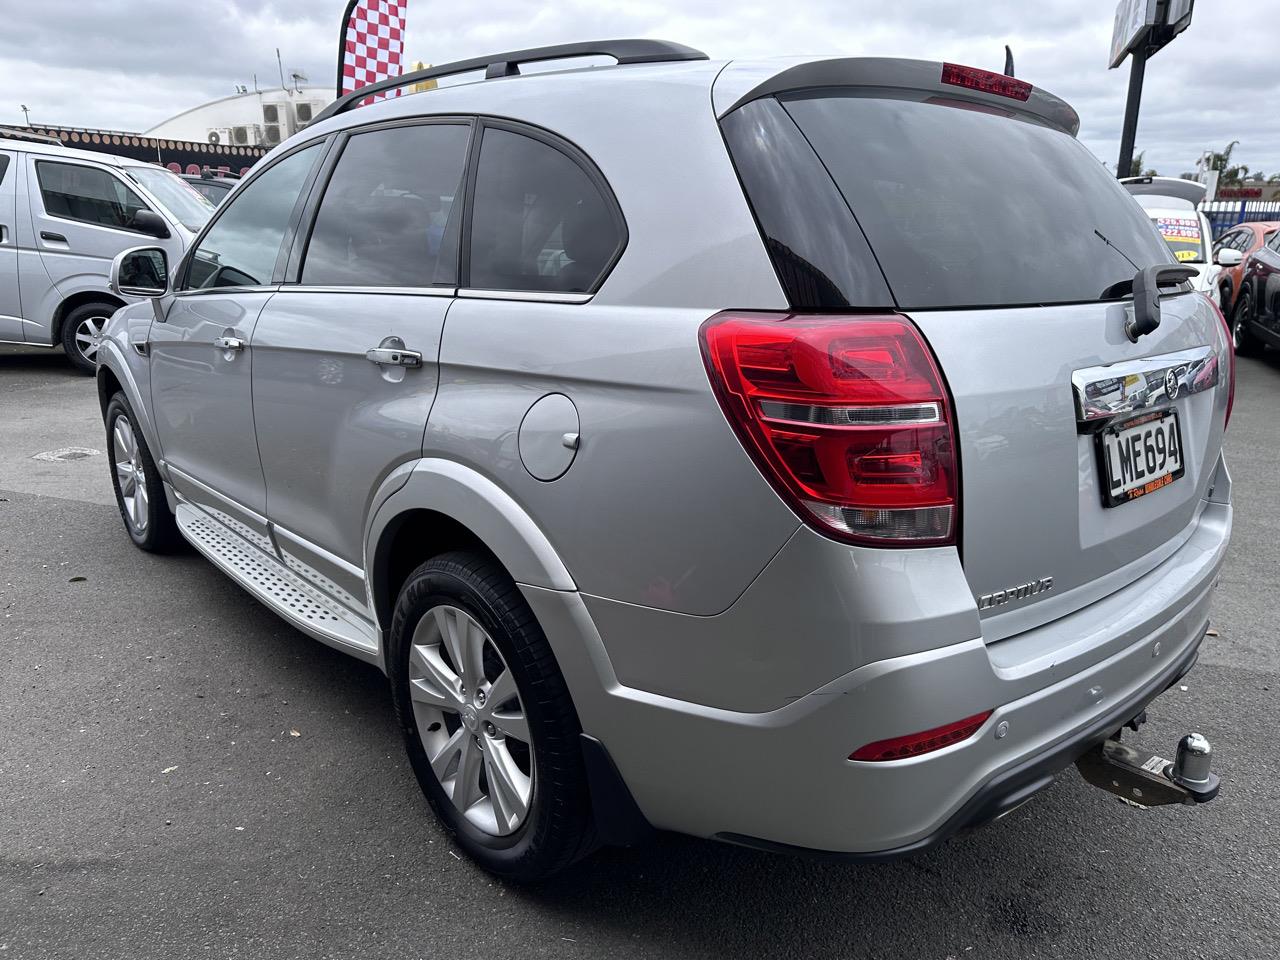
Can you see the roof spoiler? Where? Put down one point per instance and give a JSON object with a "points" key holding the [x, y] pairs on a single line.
{"points": [[943, 79], [1190, 190]]}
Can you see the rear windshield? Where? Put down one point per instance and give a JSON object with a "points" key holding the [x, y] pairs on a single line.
{"points": [[961, 205]]}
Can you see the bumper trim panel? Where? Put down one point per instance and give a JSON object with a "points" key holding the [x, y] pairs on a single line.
{"points": [[1010, 788]]}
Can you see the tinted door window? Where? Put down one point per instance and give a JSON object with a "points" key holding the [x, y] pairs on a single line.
{"points": [[87, 194], [385, 216], [4, 167], [241, 247], [540, 222]]}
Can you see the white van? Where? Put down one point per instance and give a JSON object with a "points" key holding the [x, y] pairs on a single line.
{"points": [[64, 215]]}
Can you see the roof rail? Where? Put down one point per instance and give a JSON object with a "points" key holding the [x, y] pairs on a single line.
{"points": [[15, 133], [508, 65]]}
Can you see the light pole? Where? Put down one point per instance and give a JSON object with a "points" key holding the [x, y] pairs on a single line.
{"points": [[26, 114]]}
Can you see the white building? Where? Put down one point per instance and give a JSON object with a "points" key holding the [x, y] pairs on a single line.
{"points": [[260, 118]]}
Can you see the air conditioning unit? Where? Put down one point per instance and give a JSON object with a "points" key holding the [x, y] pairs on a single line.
{"points": [[304, 113], [271, 133], [240, 136], [270, 113]]}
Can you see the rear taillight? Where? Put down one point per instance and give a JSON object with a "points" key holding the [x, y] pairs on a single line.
{"points": [[1231, 359], [985, 81], [926, 741], [847, 417]]}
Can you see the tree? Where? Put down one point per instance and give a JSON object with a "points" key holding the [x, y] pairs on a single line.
{"points": [[1135, 170], [1221, 161]]}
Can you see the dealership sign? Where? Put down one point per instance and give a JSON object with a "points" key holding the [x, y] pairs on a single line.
{"points": [[1137, 22]]}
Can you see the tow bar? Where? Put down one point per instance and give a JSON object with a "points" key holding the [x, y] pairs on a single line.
{"points": [[1143, 779]]}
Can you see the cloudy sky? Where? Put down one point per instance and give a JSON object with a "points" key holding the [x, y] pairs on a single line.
{"points": [[129, 64]]}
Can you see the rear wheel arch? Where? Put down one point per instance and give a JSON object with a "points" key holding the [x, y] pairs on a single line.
{"points": [[409, 539]]}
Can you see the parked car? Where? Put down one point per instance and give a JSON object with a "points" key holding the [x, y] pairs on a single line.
{"points": [[64, 216], [212, 187], [816, 455], [1173, 206], [1255, 319], [1243, 239]]}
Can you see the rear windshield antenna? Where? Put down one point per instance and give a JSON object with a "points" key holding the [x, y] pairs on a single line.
{"points": [[1008, 61]]}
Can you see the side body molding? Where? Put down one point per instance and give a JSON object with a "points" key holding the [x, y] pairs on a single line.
{"points": [[476, 502]]}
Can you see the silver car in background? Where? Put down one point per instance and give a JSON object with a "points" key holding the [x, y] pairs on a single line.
{"points": [[64, 216], [816, 455]]}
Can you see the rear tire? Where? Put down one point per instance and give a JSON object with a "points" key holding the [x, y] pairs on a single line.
{"points": [[144, 508], [1242, 337], [530, 822], [81, 331]]}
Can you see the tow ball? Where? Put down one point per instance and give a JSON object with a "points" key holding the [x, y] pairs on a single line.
{"points": [[1143, 779]]}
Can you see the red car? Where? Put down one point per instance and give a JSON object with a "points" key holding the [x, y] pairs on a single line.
{"points": [[1245, 237]]}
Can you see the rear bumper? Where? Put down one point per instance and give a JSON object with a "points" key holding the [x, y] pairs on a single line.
{"points": [[1010, 789], [780, 779]]}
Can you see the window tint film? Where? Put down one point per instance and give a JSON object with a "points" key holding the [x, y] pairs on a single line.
{"points": [[384, 220], [4, 167], [821, 257], [88, 194], [539, 221], [966, 205], [241, 247]]}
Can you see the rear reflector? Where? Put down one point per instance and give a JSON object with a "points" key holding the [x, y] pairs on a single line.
{"points": [[1231, 359], [984, 81], [847, 417], [914, 744]]}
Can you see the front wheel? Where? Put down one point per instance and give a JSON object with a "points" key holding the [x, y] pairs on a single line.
{"points": [[82, 333], [491, 731], [1242, 337], [136, 481]]}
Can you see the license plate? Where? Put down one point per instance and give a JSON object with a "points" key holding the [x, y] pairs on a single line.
{"points": [[1140, 456]]}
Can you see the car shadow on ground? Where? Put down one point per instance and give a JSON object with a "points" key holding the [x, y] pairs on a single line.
{"points": [[48, 364]]}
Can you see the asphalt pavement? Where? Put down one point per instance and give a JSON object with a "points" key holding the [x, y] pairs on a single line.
{"points": [[183, 775]]}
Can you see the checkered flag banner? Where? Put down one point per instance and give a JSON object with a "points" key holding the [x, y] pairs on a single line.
{"points": [[372, 44]]}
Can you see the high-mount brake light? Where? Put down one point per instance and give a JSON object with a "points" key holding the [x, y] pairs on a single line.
{"points": [[846, 416], [926, 741], [1231, 359], [984, 81]]}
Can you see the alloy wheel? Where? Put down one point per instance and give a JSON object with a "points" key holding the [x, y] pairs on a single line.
{"points": [[471, 720], [1241, 318], [130, 476], [88, 336]]}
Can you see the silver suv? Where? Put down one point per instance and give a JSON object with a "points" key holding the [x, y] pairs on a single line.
{"points": [[818, 455], [64, 216]]}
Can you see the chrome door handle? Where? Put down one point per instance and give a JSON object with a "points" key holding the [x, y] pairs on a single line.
{"points": [[391, 356], [228, 343]]}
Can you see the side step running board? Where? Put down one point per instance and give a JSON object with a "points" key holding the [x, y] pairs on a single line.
{"points": [[276, 586]]}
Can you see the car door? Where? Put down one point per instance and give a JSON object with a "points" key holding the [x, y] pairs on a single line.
{"points": [[10, 305], [82, 215], [344, 368], [1267, 285], [201, 353]]}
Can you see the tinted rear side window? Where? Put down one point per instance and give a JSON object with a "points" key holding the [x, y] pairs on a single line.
{"points": [[384, 219], [966, 206], [539, 221], [821, 255], [4, 167]]}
